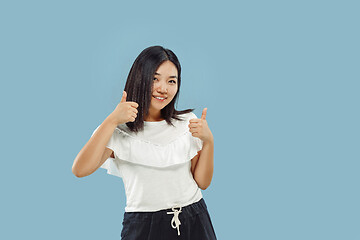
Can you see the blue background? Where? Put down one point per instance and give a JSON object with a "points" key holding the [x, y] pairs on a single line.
{"points": [[280, 80]]}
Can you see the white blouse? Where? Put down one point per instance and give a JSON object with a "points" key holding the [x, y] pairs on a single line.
{"points": [[155, 164]]}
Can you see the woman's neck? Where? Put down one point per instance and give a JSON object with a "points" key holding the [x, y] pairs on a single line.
{"points": [[153, 118]]}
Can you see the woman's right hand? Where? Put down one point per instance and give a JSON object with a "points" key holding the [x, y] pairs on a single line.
{"points": [[124, 111]]}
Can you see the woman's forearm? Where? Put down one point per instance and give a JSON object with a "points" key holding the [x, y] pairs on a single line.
{"points": [[204, 169]]}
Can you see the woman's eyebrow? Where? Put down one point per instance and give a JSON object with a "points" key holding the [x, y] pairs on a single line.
{"points": [[169, 76]]}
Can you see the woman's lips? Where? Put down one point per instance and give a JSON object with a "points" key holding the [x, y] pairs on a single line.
{"points": [[160, 99]]}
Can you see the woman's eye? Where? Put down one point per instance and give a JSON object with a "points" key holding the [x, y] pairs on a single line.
{"points": [[170, 80]]}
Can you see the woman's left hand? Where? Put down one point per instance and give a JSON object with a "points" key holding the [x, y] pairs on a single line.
{"points": [[200, 129]]}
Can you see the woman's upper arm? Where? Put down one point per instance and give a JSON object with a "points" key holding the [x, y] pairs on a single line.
{"points": [[107, 153], [194, 160]]}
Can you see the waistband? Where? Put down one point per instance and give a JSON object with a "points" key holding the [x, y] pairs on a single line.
{"points": [[173, 213], [188, 211]]}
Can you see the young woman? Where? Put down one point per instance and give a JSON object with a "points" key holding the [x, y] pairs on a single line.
{"points": [[163, 156]]}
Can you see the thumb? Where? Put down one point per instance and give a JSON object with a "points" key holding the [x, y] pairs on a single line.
{"points": [[203, 115], [123, 98]]}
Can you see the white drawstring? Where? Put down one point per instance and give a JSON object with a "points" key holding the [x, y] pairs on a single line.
{"points": [[175, 219]]}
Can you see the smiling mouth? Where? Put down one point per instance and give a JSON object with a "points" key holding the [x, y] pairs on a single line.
{"points": [[161, 100]]}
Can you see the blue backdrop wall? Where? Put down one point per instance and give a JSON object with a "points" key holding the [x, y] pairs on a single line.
{"points": [[280, 80]]}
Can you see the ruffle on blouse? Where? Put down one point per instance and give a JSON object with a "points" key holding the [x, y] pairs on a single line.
{"points": [[139, 151]]}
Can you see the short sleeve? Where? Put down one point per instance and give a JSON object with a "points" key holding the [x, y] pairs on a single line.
{"points": [[112, 165]]}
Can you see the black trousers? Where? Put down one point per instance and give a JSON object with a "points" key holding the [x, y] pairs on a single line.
{"points": [[191, 222]]}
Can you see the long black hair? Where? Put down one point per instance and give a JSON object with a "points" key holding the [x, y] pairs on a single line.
{"points": [[139, 85]]}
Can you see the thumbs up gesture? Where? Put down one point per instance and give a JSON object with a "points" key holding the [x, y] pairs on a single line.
{"points": [[200, 129], [125, 111]]}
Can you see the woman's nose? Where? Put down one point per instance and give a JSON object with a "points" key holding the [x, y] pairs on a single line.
{"points": [[161, 87]]}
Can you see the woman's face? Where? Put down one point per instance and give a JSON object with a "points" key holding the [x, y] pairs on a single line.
{"points": [[165, 85]]}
